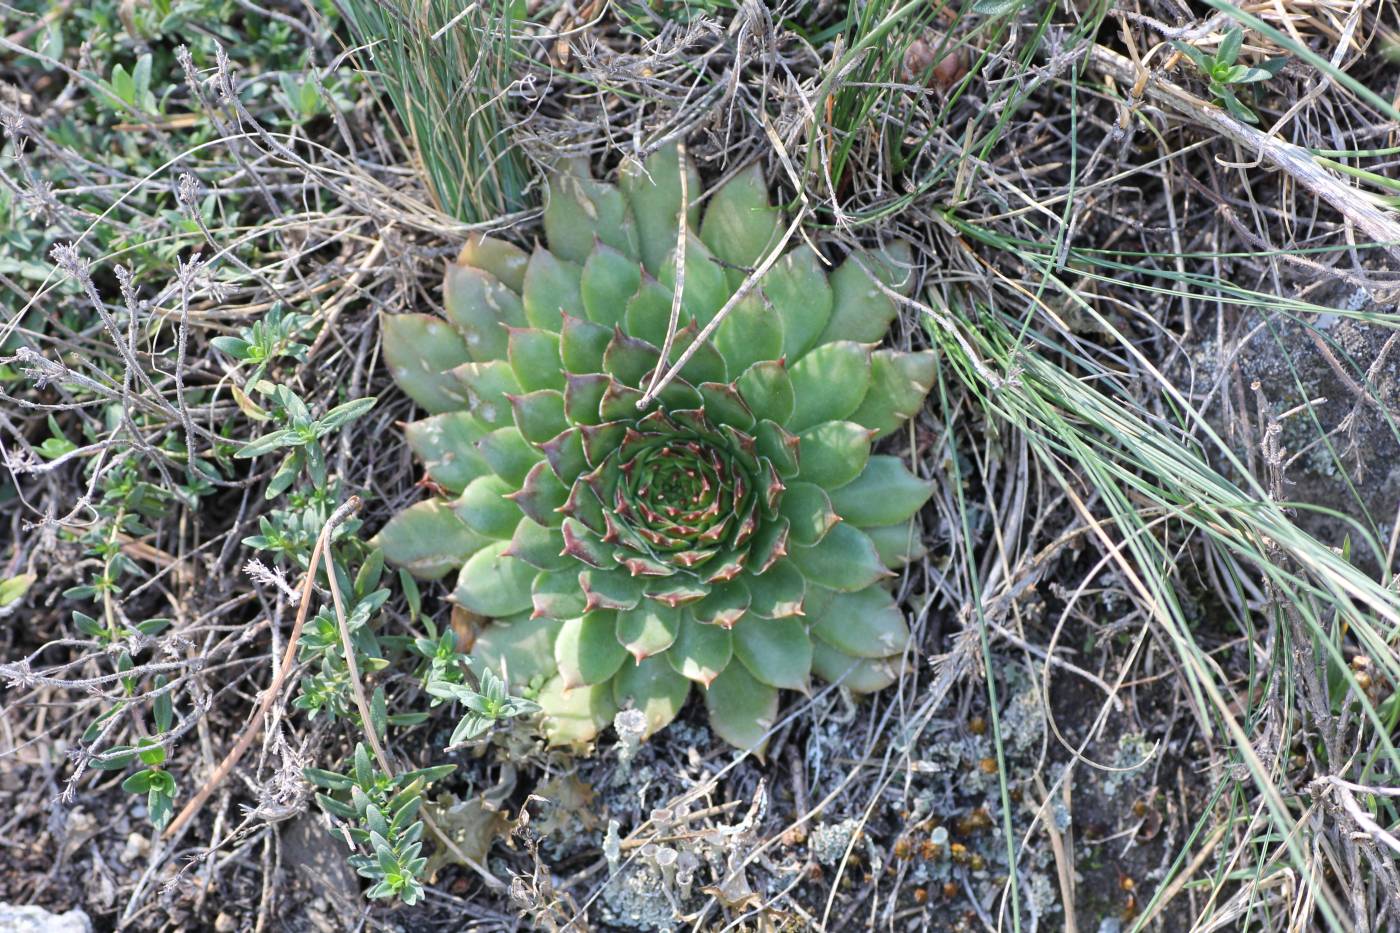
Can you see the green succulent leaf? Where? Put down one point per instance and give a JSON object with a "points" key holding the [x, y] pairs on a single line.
{"points": [[809, 512], [723, 607], [630, 360], [587, 650], [750, 334], [539, 546], [446, 446], [777, 652], [864, 624], [767, 389], [648, 629], [833, 454], [487, 387], [508, 454], [740, 226], [481, 307], [534, 357], [522, 646], [777, 593], [724, 405], [893, 264], [898, 386], [863, 675], [647, 314], [485, 509], [556, 595], [582, 344], [860, 310], [428, 539], [885, 493], [706, 287], [608, 282], [797, 288], [579, 211], [504, 260], [844, 560], [541, 496], [575, 716], [829, 383], [741, 708], [539, 415], [420, 349], [494, 584], [611, 589], [700, 651], [897, 545], [654, 190], [778, 447], [654, 688], [551, 290]]}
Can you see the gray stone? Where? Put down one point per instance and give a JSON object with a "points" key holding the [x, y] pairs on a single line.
{"points": [[1357, 471], [26, 919]]}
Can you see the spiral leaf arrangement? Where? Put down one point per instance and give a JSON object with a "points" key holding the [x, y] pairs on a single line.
{"points": [[735, 533]]}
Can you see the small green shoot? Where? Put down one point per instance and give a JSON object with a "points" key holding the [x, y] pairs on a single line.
{"points": [[1221, 71], [492, 705]]}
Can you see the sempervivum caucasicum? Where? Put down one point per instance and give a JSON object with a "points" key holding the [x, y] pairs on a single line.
{"points": [[737, 533]]}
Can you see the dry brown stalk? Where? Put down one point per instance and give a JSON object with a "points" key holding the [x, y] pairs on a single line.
{"points": [[1293, 160]]}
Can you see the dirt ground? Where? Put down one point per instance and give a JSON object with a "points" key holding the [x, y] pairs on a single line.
{"points": [[1128, 737]]}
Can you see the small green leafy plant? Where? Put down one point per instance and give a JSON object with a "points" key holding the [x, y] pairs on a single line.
{"points": [[492, 704], [275, 336], [132, 89], [153, 780], [380, 816], [1222, 72], [736, 533], [300, 435]]}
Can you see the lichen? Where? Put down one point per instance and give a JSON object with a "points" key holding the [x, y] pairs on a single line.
{"points": [[829, 842]]}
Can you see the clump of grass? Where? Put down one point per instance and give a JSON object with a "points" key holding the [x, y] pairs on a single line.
{"points": [[445, 67]]}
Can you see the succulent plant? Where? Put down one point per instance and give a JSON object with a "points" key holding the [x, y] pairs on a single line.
{"points": [[734, 534]]}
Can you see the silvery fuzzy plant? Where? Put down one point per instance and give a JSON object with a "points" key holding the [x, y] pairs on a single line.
{"points": [[737, 534]]}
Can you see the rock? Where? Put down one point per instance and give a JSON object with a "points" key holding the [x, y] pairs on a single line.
{"points": [[137, 845], [1357, 473], [318, 860], [27, 919]]}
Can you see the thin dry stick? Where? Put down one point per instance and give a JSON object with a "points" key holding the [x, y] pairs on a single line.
{"points": [[1064, 854], [1180, 881], [709, 329], [357, 688], [1294, 160], [681, 236], [274, 689]]}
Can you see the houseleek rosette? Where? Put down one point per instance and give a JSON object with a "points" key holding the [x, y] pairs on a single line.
{"points": [[737, 533]]}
